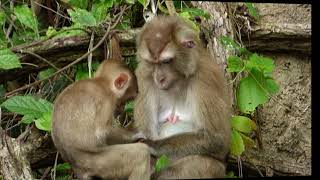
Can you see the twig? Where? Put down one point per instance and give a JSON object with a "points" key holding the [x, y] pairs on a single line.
{"points": [[46, 61], [45, 174], [171, 8], [74, 62], [90, 55], [55, 166]]}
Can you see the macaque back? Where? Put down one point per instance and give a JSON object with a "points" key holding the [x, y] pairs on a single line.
{"points": [[84, 132]]}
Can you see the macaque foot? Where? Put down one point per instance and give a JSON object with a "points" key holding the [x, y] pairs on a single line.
{"points": [[172, 119]]}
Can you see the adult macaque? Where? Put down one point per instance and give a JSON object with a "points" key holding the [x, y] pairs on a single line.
{"points": [[84, 132], [182, 106]]}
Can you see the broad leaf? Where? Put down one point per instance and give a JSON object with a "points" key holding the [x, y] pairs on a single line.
{"points": [[144, 3], [162, 163], [82, 17], [196, 12], [46, 73], [230, 175], [237, 145], [243, 124], [235, 64], [44, 122], [28, 105], [264, 64], [21, 37], [8, 59], [27, 119], [100, 11], [250, 94], [26, 17], [271, 86]]}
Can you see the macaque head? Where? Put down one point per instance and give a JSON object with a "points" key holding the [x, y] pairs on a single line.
{"points": [[167, 51], [123, 82]]}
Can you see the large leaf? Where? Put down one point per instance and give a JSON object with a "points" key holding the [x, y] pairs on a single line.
{"points": [[44, 122], [248, 142], [27, 119], [234, 64], [21, 37], [243, 124], [237, 145], [28, 105], [100, 10], [26, 17], [82, 17], [162, 163], [271, 86], [251, 93], [264, 64], [8, 59]]}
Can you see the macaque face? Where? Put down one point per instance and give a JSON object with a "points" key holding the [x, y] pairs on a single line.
{"points": [[167, 53]]}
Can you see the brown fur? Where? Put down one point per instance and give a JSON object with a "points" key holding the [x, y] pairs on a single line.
{"points": [[84, 131], [191, 86]]}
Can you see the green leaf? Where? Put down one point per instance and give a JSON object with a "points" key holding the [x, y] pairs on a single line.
{"points": [[77, 3], [100, 10], [129, 107], [8, 59], [27, 119], [82, 17], [162, 163], [63, 167], [252, 10], [230, 175], [26, 17], [271, 86], [237, 145], [243, 124], [144, 3], [235, 64], [250, 93], [28, 105], [249, 143], [70, 31], [46, 73], [51, 32], [3, 40], [44, 122], [130, 1], [264, 64], [2, 17], [20, 37], [82, 73], [186, 16], [196, 12]]}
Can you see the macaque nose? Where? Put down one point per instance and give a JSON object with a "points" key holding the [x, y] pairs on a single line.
{"points": [[162, 80]]}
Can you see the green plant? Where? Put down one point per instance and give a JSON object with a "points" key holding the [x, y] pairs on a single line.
{"points": [[254, 89]]}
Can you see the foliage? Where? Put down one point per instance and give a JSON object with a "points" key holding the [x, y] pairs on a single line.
{"points": [[254, 89], [162, 163], [9, 60], [33, 109]]}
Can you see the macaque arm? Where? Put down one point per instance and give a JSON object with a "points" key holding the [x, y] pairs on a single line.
{"points": [[188, 144], [118, 135]]}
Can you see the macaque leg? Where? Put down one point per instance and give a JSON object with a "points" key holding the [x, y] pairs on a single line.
{"points": [[194, 167], [120, 161]]}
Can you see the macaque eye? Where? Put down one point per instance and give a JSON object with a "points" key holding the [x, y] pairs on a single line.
{"points": [[188, 44], [167, 61]]}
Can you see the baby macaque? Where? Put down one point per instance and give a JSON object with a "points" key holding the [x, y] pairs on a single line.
{"points": [[84, 131]]}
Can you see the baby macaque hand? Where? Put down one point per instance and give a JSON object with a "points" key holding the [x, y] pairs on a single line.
{"points": [[172, 119]]}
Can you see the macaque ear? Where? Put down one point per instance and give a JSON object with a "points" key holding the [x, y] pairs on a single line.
{"points": [[121, 80]]}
